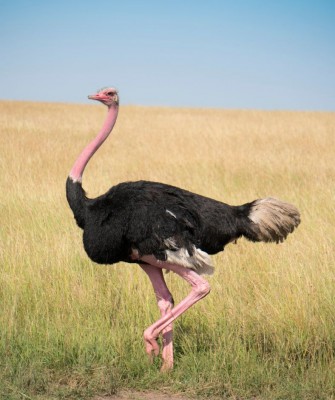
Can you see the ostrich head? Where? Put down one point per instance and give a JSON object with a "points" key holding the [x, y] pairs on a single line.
{"points": [[108, 96]]}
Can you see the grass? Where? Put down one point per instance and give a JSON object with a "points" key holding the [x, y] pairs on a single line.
{"points": [[72, 329]]}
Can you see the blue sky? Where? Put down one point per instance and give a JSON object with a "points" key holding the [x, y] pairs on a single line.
{"points": [[225, 54]]}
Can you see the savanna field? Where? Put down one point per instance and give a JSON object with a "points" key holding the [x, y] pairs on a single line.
{"points": [[72, 329]]}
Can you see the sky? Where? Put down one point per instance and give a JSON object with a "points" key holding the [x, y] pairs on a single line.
{"points": [[224, 54]]}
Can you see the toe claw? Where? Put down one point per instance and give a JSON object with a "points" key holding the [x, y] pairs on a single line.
{"points": [[151, 345]]}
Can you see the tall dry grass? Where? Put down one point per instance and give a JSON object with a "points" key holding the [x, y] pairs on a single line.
{"points": [[72, 328]]}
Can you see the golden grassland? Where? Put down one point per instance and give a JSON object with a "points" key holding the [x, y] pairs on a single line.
{"points": [[72, 329]]}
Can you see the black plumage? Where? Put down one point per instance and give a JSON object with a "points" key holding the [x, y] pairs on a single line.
{"points": [[144, 215]]}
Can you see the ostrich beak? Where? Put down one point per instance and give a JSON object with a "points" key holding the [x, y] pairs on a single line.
{"points": [[94, 96]]}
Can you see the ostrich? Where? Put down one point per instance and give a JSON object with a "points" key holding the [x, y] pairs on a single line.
{"points": [[159, 226]]}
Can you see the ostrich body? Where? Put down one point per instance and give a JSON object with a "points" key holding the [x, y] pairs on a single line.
{"points": [[160, 227]]}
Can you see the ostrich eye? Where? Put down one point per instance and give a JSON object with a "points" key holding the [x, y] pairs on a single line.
{"points": [[110, 93]]}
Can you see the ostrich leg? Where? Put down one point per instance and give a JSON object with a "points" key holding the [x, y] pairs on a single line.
{"points": [[200, 288], [165, 304]]}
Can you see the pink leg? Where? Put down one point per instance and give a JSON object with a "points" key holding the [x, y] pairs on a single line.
{"points": [[200, 288], [165, 304]]}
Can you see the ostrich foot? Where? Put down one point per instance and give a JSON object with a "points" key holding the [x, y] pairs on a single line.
{"points": [[151, 345], [152, 348]]}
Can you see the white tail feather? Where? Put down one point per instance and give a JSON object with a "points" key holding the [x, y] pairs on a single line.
{"points": [[274, 219]]}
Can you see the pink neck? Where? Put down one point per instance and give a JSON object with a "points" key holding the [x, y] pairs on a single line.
{"points": [[77, 170]]}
